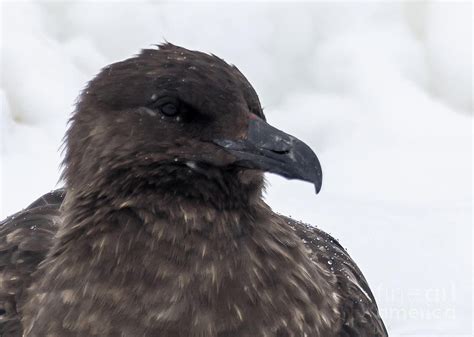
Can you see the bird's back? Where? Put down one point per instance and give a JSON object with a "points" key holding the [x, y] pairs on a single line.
{"points": [[360, 316], [25, 239]]}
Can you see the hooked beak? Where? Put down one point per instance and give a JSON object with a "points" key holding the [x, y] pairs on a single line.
{"points": [[269, 149]]}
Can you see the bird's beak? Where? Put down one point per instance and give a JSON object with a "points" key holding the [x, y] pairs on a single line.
{"points": [[266, 148]]}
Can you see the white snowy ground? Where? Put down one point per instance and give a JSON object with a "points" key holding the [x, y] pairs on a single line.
{"points": [[381, 91]]}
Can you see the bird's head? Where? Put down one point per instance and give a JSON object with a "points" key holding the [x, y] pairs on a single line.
{"points": [[170, 116]]}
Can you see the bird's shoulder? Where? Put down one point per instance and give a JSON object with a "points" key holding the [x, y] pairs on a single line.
{"points": [[25, 239], [358, 306]]}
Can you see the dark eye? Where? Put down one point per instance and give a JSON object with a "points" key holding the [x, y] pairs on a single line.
{"points": [[168, 106], [169, 109]]}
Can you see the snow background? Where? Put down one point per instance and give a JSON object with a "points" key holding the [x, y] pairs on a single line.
{"points": [[382, 91]]}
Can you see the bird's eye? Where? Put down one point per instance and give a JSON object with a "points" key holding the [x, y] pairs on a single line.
{"points": [[166, 105], [169, 109]]}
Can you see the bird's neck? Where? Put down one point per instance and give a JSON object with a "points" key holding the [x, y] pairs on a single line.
{"points": [[162, 185], [222, 207]]}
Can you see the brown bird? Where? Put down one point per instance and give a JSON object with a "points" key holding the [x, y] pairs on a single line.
{"points": [[161, 229]]}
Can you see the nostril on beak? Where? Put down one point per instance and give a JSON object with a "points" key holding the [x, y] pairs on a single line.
{"points": [[280, 151], [280, 145]]}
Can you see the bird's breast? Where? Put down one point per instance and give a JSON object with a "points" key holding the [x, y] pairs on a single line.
{"points": [[203, 273]]}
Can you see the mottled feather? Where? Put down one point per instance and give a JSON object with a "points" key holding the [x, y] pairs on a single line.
{"points": [[358, 306], [25, 240]]}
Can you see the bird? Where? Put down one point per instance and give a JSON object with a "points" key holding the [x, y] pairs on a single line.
{"points": [[161, 228]]}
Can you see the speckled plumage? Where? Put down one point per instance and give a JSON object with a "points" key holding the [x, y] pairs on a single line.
{"points": [[160, 233]]}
